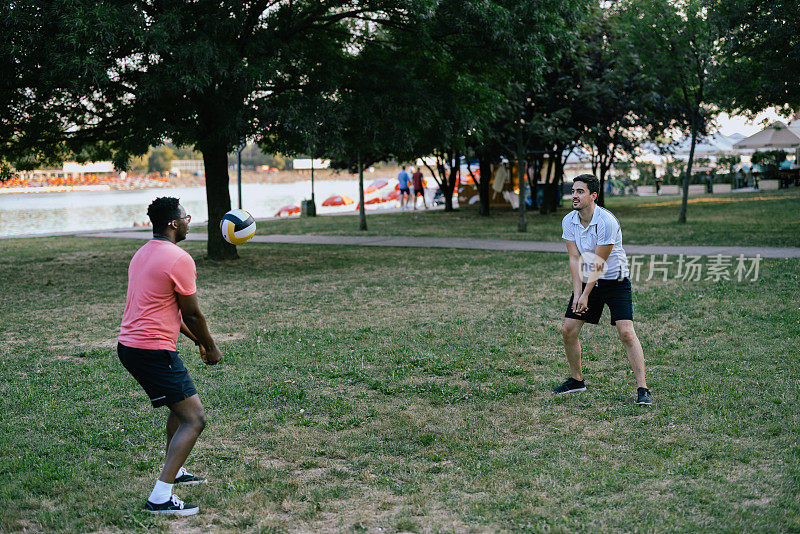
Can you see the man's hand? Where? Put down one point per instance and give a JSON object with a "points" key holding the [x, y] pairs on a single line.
{"points": [[581, 305], [210, 357]]}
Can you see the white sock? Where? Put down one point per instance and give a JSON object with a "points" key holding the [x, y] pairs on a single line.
{"points": [[161, 493], [181, 472]]}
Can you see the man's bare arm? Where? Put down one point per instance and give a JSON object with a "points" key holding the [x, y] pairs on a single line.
{"points": [[574, 266], [581, 304], [601, 254], [195, 323], [188, 333]]}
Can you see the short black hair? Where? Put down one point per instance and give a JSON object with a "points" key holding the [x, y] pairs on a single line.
{"points": [[591, 181], [163, 211]]}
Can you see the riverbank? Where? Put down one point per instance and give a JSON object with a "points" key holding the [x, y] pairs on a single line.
{"points": [[129, 182], [132, 182], [81, 209]]}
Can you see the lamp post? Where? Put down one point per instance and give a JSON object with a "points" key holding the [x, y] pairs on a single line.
{"points": [[312, 183], [308, 208], [239, 171]]}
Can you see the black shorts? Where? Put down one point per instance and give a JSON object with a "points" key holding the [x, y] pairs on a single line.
{"points": [[616, 294], [405, 190], [419, 192], [160, 373]]}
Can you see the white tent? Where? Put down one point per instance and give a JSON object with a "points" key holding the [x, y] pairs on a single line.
{"points": [[712, 145], [776, 136]]}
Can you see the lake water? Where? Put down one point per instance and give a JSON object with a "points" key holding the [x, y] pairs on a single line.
{"points": [[74, 211]]}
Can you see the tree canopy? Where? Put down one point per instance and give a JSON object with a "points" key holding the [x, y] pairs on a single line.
{"points": [[760, 42], [362, 81], [679, 46], [121, 76]]}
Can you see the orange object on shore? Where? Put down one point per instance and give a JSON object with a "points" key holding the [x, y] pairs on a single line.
{"points": [[377, 184], [376, 200], [337, 200], [288, 210]]}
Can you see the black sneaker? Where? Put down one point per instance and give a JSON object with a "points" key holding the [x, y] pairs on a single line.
{"points": [[643, 397], [570, 386], [188, 479], [173, 506]]}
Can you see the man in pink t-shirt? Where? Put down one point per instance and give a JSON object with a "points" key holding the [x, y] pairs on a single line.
{"points": [[161, 303]]}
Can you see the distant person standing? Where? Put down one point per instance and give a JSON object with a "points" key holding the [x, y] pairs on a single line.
{"points": [[403, 179], [419, 190], [600, 277], [161, 303], [411, 183]]}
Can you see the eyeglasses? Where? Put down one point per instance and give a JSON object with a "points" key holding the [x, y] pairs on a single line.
{"points": [[188, 219]]}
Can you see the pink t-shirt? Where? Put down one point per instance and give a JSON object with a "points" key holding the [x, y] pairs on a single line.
{"points": [[152, 319]]}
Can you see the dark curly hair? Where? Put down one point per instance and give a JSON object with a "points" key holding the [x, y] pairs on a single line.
{"points": [[591, 181], [163, 211]]}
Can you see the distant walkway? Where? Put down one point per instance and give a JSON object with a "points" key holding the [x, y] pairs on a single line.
{"points": [[478, 244]]}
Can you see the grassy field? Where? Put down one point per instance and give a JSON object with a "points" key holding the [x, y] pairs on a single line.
{"points": [[390, 390], [768, 218]]}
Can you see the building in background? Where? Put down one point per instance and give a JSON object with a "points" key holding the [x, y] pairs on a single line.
{"points": [[188, 166]]}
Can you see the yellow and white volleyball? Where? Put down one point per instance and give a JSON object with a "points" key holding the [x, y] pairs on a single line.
{"points": [[237, 227]]}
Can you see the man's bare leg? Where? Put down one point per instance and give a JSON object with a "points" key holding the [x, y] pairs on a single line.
{"points": [[634, 350], [572, 345], [191, 418], [172, 426]]}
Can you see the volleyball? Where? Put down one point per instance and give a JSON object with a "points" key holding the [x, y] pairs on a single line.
{"points": [[237, 227]]}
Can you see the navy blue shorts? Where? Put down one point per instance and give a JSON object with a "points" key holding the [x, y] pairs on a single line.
{"points": [[616, 294], [160, 373], [405, 190]]}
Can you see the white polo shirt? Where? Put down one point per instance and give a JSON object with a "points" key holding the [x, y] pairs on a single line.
{"points": [[604, 229]]}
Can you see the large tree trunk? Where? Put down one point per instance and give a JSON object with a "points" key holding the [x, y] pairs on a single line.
{"points": [[601, 195], [557, 192], [449, 181], [688, 175], [533, 181], [548, 198], [551, 188], [362, 211], [558, 180], [218, 198], [543, 208], [603, 164], [483, 186], [522, 223]]}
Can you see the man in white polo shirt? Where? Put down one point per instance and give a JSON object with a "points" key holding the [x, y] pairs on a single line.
{"points": [[599, 270]]}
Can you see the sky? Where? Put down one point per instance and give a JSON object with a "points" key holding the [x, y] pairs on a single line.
{"points": [[739, 124]]}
